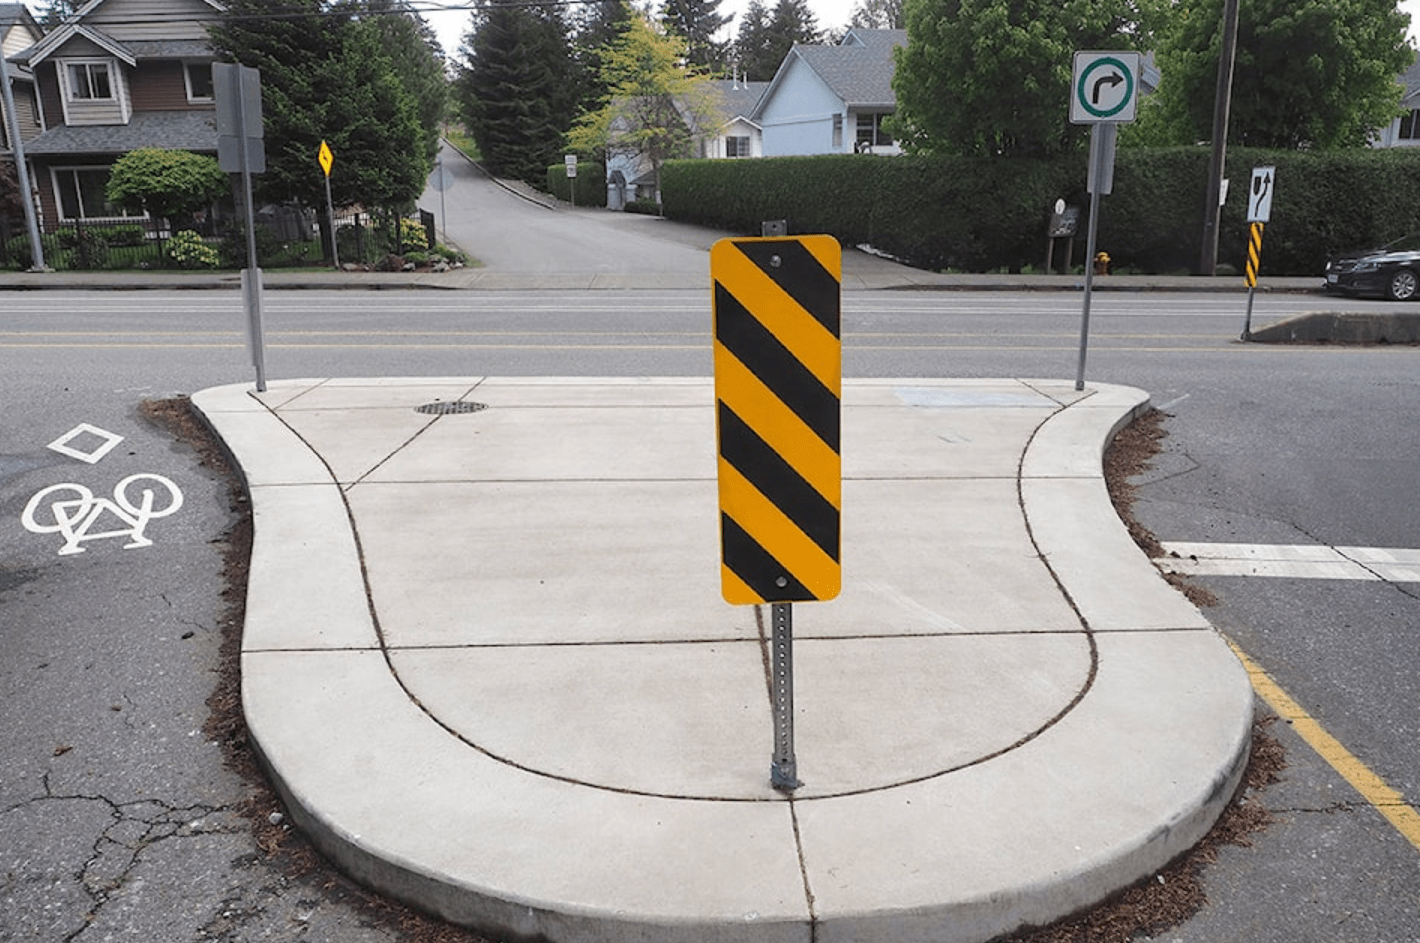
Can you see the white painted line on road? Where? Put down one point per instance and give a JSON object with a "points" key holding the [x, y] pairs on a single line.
{"points": [[1291, 561], [64, 445]]}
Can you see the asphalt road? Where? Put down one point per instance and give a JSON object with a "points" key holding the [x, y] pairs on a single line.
{"points": [[118, 820]]}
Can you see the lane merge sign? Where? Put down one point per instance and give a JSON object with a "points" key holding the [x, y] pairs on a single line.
{"points": [[1259, 196], [1105, 87], [778, 387]]}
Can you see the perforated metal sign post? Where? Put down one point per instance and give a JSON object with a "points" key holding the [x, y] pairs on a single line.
{"points": [[778, 384]]}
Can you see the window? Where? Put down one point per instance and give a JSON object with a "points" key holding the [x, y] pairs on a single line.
{"points": [[870, 132], [737, 146], [199, 81], [838, 132], [1410, 126], [89, 81], [81, 193]]}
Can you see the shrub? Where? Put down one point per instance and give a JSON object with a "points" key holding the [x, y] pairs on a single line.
{"points": [[975, 214], [589, 185], [87, 248], [187, 250], [647, 207]]}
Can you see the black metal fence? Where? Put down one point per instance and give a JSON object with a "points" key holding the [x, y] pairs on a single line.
{"points": [[285, 237]]}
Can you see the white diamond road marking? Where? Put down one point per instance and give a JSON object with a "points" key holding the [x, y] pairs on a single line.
{"points": [[1291, 561], [62, 446]]}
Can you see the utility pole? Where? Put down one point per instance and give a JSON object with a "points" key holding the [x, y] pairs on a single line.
{"points": [[22, 174], [1222, 103]]}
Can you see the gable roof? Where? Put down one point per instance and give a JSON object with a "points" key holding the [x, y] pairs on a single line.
{"points": [[859, 70], [129, 52], [738, 97]]}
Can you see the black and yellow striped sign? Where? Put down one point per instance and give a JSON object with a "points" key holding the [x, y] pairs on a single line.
{"points": [[778, 381], [1254, 254]]}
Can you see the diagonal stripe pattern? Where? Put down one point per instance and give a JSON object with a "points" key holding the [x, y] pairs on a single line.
{"points": [[778, 383], [1254, 254]]}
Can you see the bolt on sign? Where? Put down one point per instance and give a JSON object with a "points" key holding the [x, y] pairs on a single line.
{"points": [[778, 385]]}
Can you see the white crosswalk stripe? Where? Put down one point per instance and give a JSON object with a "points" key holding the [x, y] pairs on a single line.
{"points": [[1291, 561]]}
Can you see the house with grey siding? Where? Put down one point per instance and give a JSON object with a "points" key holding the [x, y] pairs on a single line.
{"points": [[118, 75], [832, 99], [18, 31]]}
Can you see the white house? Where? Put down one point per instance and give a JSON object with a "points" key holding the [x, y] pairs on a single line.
{"points": [[1405, 130], [832, 99], [631, 176]]}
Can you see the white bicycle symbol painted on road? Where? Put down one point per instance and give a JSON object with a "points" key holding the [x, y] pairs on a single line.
{"points": [[77, 515]]}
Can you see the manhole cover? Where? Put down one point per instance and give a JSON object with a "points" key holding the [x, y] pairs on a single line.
{"points": [[444, 409]]}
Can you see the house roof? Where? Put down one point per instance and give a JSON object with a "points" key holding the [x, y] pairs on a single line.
{"points": [[14, 15], [859, 70], [875, 38], [738, 96], [1410, 81], [172, 130], [130, 51]]}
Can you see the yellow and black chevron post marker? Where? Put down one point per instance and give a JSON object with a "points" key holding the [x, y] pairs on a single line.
{"points": [[778, 383], [1254, 254]]}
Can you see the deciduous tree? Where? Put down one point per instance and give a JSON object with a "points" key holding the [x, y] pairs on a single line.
{"points": [[1307, 73], [165, 184], [656, 101], [992, 77]]}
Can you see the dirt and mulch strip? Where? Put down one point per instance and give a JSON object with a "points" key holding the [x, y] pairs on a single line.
{"points": [[1162, 901]]}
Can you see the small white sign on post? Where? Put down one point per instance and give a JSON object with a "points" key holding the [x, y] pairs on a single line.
{"points": [[571, 162]]}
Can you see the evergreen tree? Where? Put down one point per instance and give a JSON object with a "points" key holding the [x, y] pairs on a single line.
{"points": [[595, 31], [756, 53], [765, 37], [878, 14], [992, 77], [698, 22], [1307, 73], [418, 59], [326, 76], [517, 91]]}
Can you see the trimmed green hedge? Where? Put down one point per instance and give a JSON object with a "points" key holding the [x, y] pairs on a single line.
{"points": [[984, 215], [590, 183]]}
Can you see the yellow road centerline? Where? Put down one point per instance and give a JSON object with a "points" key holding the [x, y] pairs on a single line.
{"points": [[1387, 801]]}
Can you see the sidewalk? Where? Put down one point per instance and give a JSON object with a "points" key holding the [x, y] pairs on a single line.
{"points": [[487, 664]]}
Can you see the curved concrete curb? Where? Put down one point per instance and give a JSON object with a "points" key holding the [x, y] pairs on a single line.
{"points": [[1131, 774]]}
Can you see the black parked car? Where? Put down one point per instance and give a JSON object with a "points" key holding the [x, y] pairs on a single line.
{"points": [[1392, 271]]}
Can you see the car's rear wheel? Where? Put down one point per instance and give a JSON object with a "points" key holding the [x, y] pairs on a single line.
{"points": [[1403, 285]]}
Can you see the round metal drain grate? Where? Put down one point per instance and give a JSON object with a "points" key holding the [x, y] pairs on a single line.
{"points": [[450, 408]]}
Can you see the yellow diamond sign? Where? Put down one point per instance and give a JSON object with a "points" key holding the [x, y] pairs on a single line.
{"points": [[325, 157]]}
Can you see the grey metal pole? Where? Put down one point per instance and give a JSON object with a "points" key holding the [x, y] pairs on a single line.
{"points": [[330, 215], [783, 773], [22, 173], [1096, 173], [251, 280]]}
